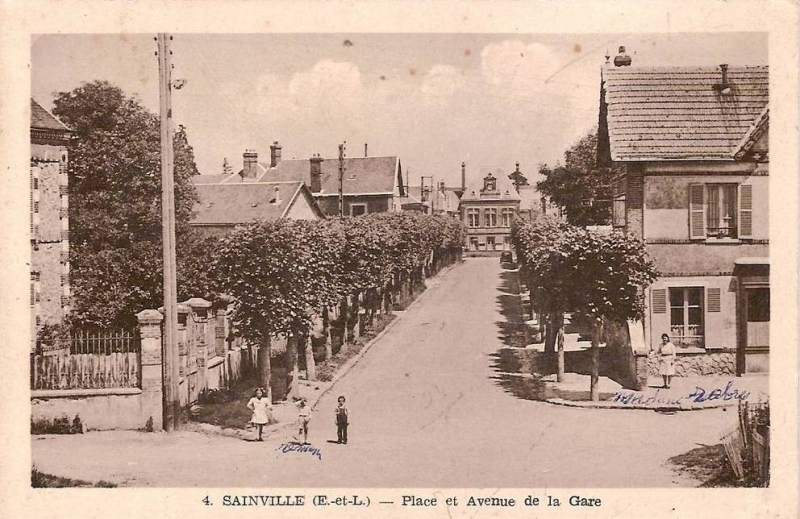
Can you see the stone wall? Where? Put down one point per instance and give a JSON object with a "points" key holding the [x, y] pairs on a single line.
{"points": [[691, 364]]}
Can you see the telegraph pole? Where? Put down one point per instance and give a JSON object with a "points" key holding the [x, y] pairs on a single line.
{"points": [[341, 179], [171, 407]]}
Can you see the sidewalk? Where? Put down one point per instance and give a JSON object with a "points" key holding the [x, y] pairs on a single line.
{"points": [[684, 394]]}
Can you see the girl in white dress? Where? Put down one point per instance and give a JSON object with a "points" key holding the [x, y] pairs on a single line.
{"points": [[666, 362], [261, 408]]}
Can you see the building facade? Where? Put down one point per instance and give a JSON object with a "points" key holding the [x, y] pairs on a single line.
{"points": [[369, 184], [49, 219], [690, 146], [488, 209]]}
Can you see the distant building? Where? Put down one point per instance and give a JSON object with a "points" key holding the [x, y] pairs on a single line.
{"points": [[49, 219], [220, 207], [691, 149], [488, 208], [369, 184], [439, 201]]}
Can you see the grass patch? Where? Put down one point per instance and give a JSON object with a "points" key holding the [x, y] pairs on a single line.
{"points": [[226, 407], [43, 480], [707, 464]]}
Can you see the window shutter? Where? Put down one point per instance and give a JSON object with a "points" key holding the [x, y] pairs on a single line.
{"points": [[659, 296], [746, 211], [714, 300], [697, 211]]}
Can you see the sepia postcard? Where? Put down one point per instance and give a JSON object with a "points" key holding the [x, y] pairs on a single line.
{"points": [[399, 259]]}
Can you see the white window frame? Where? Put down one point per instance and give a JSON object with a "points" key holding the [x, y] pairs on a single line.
{"points": [[701, 335], [490, 217], [476, 213]]}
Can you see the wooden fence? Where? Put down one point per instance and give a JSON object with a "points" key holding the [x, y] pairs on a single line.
{"points": [[88, 360], [747, 446]]}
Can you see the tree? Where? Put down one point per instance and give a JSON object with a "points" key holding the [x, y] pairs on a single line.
{"points": [[580, 186], [600, 276], [115, 202]]}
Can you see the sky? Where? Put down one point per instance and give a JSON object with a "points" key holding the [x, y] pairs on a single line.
{"points": [[434, 100]]}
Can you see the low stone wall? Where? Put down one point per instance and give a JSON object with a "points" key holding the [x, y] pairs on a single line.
{"points": [[691, 364], [99, 409]]}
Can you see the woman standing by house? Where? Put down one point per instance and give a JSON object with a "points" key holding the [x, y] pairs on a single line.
{"points": [[666, 361], [261, 408]]}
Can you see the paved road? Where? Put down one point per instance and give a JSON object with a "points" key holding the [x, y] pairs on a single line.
{"points": [[427, 410]]}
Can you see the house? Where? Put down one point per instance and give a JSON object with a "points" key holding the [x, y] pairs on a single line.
{"points": [[49, 219], [690, 146], [439, 201], [220, 207], [369, 184], [488, 208]]}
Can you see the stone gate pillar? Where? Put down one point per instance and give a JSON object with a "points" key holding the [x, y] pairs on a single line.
{"points": [[152, 378]]}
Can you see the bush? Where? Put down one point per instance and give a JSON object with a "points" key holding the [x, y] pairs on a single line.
{"points": [[61, 425]]}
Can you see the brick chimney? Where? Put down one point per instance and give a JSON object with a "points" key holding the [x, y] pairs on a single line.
{"points": [[274, 154], [316, 173], [250, 164], [622, 59], [463, 176]]}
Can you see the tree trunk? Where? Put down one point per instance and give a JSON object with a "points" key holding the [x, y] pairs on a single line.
{"points": [[560, 342], [291, 347], [550, 334], [595, 389], [265, 368], [311, 368]]}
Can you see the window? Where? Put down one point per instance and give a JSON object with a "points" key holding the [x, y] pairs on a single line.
{"points": [[490, 243], [473, 243], [508, 216], [358, 209], [473, 217], [490, 217], [721, 211], [686, 316]]}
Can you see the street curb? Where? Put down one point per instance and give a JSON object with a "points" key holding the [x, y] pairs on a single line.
{"points": [[341, 372], [609, 405]]}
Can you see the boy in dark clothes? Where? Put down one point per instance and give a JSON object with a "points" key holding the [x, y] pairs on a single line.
{"points": [[342, 421]]}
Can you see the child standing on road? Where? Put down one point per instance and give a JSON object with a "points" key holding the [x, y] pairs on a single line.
{"points": [[261, 410], [342, 421], [304, 416]]}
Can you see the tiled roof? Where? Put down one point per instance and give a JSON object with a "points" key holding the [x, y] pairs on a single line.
{"points": [[229, 204], [676, 113], [209, 179], [44, 120], [362, 174], [505, 190]]}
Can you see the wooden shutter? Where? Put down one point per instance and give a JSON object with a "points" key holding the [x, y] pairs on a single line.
{"points": [[714, 303], [659, 296], [745, 211], [697, 211]]}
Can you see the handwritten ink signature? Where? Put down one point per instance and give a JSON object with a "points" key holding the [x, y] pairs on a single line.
{"points": [[699, 395], [300, 447]]}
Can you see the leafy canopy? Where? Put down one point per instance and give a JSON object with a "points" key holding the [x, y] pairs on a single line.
{"points": [[580, 186], [115, 202], [569, 268]]}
